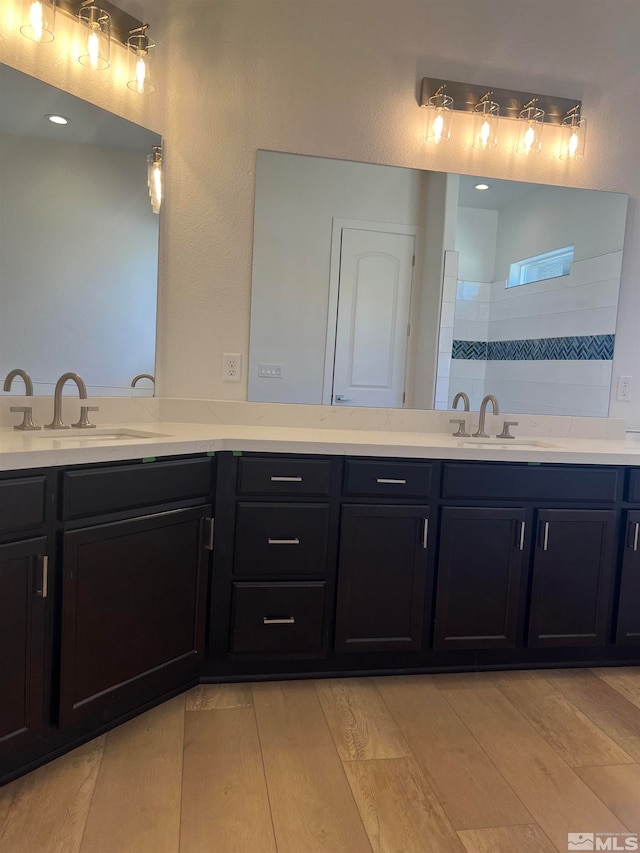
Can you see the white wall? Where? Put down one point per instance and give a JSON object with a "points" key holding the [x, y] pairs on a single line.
{"points": [[339, 78], [476, 236]]}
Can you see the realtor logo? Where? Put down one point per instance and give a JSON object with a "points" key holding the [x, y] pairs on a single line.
{"points": [[581, 841], [626, 841]]}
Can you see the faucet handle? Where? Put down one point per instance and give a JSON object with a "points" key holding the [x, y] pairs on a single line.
{"points": [[505, 429], [27, 420], [461, 433], [83, 423]]}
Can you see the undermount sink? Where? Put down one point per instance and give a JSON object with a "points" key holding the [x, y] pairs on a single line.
{"points": [[99, 434], [508, 444]]}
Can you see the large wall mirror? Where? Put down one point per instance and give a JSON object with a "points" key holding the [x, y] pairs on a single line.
{"points": [[383, 286], [78, 242]]}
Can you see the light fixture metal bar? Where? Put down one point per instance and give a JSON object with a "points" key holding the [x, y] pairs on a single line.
{"points": [[467, 95], [121, 22]]}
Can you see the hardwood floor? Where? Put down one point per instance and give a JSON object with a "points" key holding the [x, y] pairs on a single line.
{"points": [[470, 763]]}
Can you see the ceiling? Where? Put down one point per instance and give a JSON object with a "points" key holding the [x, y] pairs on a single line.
{"points": [[499, 194]]}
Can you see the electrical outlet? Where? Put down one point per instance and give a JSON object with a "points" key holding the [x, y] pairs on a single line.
{"points": [[625, 384], [231, 366]]}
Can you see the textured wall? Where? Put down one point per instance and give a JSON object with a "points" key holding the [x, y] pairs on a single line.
{"points": [[338, 78]]}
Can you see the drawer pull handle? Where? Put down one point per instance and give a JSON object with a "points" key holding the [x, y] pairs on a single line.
{"points": [[390, 482], [636, 527], [522, 529], [295, 541], [545, 541], [286, 479], [278, 620], [425, 533]]}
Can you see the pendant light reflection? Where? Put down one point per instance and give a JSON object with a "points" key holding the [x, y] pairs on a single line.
{"points": [[141, 50], [439, 117], [154, 178], [38, 18], [485, 123], [98, 43], [574, 131], [530, 133]]}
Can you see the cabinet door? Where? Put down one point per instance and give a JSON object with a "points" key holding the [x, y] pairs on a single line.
{"points": [[628, 632], [23, 589], [572, 571], [479, 578], [134, 596], [381, 578]]}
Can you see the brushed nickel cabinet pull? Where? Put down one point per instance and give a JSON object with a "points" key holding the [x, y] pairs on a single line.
{"points": [[44, 591], [545, 541], [635, 535], [208, 527], [278, 620], [425, 532], [286, 479], [390, 482], [522, 529], [295, 541]]}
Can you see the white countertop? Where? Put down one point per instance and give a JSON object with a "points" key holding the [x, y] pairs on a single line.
{"points": [[44, 448]]}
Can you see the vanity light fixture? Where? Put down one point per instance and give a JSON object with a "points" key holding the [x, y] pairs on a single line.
{"points": [[38, 19], [574, 129], [102, 23], [485, 122], [439, 116], [491, 106], [154, 177], [57, 119], [531, 122], [97, 49], [140, 49]]}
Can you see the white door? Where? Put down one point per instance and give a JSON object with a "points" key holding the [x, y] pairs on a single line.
{"points": [[373, 315]]}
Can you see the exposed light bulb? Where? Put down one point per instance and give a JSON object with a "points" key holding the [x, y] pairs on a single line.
{"points": [[528, 139], [485, 132], [573, 144], [141, 73], [36, 20], [157, 183], [438, 125], [93, 50]]}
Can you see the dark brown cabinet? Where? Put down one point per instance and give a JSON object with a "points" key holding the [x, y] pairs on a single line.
{"points": [[573, 567], [133, 609], [628, 628], [23, 591], [381, 578], [480, 569]]}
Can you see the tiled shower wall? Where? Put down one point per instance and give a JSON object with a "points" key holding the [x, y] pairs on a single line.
{"points": [[580, 309]]}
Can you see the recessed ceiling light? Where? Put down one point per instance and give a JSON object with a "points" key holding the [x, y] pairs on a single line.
{"points": [[58, 119], [482, 186]]}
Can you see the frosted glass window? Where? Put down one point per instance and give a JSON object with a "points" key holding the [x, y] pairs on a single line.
{"points": [[541, 267]]}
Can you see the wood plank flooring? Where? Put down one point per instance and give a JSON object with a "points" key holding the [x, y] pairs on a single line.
{"points": [[469, 763]]}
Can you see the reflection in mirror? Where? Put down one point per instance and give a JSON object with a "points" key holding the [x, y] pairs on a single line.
{"points": [[78, 242], [383, 286]]}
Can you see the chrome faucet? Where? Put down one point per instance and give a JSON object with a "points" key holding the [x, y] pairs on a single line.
{"points": [[465, 400], [27, 411], [137, 378], [57, 422], [483, 413]]}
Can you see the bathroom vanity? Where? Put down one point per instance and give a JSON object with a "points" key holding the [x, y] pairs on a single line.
{"points": [[351, 553]]}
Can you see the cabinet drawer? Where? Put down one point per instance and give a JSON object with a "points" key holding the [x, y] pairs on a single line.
{"points": [[22, 504], [278, 618], [98, 491], [478, 481], [275, 476], [281, 539], [384, 479]]}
